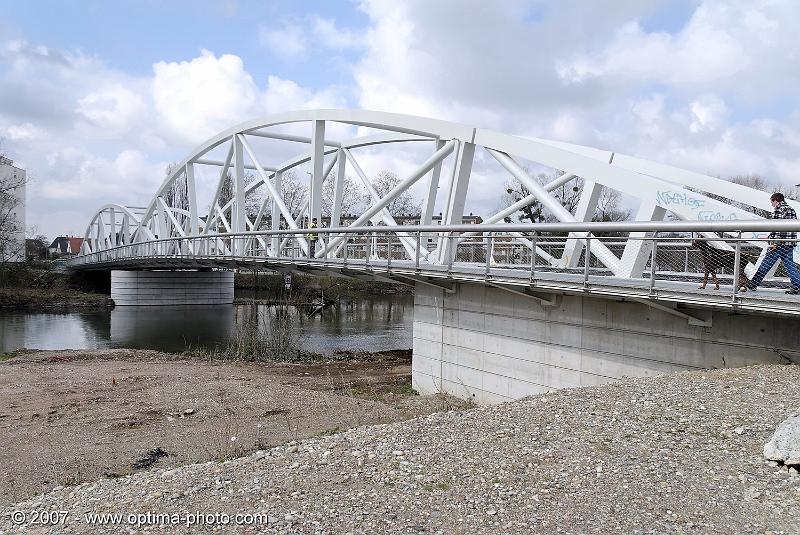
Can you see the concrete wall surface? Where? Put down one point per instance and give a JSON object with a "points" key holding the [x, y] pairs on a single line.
{"points": [[492, 345], [171, 287]]}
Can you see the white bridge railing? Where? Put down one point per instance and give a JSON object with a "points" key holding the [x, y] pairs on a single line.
{"points": [[673, 258]]}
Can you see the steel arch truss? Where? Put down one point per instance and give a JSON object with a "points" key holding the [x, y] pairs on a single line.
{"points": [[659, 189]]}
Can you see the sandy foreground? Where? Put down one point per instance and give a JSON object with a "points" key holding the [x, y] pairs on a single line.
{"points": [[68, 417], [673, 454]]}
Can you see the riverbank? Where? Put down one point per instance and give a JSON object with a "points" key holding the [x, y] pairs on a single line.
{"points": [[678, 453], [33, 287], [52, 299], [73, 416]]}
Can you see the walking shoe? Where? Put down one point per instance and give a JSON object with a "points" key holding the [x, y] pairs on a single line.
{"points": [[793, 291]]}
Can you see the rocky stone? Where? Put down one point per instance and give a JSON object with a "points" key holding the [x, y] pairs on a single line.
{"points": [[784, 446]]}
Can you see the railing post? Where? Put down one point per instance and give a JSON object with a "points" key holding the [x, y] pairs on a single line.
{"points": [[533, 259], [344, 249], [586, 257], [416, 260], [389, 252], [489, 244], [453, 251], [367, 247], [736, 266], [653, 264]]}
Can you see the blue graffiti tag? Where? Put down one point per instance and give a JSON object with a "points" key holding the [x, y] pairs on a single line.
{"points": [[667, 198], [706, 215]]}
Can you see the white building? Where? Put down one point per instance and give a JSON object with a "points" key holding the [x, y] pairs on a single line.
{"points": [[12, 212]]}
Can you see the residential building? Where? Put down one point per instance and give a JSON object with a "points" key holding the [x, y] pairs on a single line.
{"points": [[67, 246]]}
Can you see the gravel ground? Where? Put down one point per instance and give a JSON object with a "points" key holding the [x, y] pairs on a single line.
{"points": [[672, 454]]}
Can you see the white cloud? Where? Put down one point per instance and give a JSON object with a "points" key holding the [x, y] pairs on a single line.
{"points": [[708, 113], [89, 134], [717, 95], [731, 44], [288, 42], [702, 53], [21, 132], [294, 41], [332, 36], [597, 76], [196, 99], [112, 108], [129, 178], [649, 110]]}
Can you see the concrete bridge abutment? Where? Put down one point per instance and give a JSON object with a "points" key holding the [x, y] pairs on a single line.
{"points": [[492, 345], [171, 287]]}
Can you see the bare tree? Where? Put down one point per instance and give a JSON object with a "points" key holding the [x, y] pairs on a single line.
{"points": [[294, 194], [568, 194], [403, 205], [352, 196], [252, 201], [609, 209], [12, 187], [177, 196]]}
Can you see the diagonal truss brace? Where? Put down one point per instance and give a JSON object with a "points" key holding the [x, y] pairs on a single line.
{"points": [[439, 155], [693, 320], [408, 243], [551, 300]]}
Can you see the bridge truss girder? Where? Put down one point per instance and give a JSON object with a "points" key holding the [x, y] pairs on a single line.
{"points": [[660, 189]]}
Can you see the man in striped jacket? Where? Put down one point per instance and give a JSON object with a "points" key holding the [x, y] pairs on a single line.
{"points": [[781, 246]]}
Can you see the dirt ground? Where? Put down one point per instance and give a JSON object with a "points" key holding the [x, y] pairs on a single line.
{"points": [[73, 416]]}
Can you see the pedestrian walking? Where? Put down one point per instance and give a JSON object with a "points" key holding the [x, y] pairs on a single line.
{"points": [[781, 247]]}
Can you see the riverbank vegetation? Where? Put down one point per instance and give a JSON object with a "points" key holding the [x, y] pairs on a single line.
{"points": [[261, 336], [38, 285]]}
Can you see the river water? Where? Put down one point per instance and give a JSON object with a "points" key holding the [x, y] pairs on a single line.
{"points": [[368, 324]]}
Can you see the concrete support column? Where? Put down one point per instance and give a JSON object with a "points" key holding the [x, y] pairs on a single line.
{"points": [[490, 345], [171, 287]]}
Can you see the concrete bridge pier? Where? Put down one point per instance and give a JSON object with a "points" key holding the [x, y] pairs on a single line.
{"points": [[171, 287], [493, 345]]}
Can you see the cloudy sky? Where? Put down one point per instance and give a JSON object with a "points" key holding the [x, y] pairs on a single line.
{"points": [[97, 97]]}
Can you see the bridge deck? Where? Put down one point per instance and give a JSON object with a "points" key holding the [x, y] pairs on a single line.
{"points": [[668, 289]]}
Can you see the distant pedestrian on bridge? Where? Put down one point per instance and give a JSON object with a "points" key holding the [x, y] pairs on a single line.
{"points": [[781, 246], [312, 239]]}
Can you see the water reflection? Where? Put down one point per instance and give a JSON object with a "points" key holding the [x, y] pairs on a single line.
{"points": [[371, 324], [170, 328]]}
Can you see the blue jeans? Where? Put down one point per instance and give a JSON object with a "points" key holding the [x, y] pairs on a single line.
{"points": [[781, 252]]}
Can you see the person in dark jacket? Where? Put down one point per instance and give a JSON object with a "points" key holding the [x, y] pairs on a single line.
{"points": [[781, 246]]}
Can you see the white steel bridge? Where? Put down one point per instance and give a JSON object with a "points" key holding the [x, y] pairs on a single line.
{"points": [[248, 225]]}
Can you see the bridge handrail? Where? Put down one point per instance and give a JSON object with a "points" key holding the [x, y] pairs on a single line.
{"points": [[756, 227], [760, 225]]}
